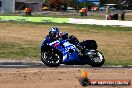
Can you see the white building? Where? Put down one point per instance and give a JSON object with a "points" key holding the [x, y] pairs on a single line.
{"points": [[11, 5], [7, 6]]}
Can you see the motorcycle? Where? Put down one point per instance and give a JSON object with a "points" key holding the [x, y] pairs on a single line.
{"points": [[65, 51]]}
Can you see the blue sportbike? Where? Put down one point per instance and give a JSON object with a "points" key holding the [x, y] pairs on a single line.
{"points": [[64, 51]]}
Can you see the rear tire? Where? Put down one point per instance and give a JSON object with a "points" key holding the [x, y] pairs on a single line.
{"points": [[97, 61]]}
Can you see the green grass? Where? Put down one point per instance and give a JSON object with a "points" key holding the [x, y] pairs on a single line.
{"points": [[114, 42], [18, 50]]}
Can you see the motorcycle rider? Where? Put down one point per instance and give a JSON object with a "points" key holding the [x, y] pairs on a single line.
{"points": [[55, 34]]}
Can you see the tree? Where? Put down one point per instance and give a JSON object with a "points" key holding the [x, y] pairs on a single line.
{"points": [[57, 4], [71, 3]]}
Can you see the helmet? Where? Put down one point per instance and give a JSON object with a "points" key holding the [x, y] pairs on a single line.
{"points": [[53, 32]]}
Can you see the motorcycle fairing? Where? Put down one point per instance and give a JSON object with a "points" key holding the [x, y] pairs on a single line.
{"points": [[65, 49]]}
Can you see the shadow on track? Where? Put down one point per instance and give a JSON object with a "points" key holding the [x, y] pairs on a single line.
{"points": [[21, 65], [41, 65]]}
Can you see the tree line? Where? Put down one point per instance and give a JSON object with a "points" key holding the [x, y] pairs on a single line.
{"points": [[63, 4]]}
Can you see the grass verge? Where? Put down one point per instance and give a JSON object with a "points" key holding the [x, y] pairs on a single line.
{"points": [[21, 40]]}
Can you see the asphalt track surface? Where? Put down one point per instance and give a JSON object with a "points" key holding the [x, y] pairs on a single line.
{"points": [[39, 64], [34, 74]]}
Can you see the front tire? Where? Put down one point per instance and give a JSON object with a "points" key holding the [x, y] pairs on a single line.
{"points": [[51, 57]]}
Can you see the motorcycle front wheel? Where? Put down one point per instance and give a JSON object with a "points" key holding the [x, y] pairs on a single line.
{"points": [[51, 57]]}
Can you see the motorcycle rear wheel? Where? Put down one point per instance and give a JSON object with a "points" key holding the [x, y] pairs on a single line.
{"points": [[97, 61]]}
